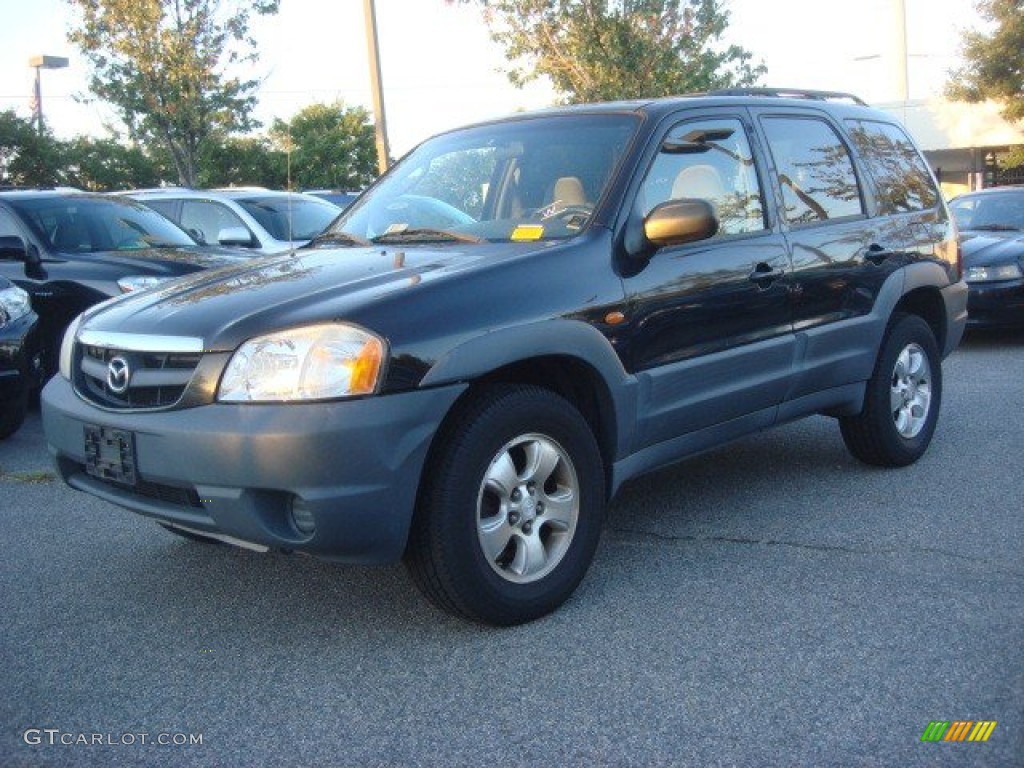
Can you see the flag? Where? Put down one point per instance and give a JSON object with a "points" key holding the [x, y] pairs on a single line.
{"points": [[35, 102]]}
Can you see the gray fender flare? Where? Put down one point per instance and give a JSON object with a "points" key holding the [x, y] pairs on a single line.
{"points": [[560, 337]]}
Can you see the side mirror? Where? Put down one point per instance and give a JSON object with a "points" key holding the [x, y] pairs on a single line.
{"points": [[12, 248], [680, 221], [235, 236]]}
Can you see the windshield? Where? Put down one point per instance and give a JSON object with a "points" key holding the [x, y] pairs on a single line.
{"points": [[91, 224], [530, 179], [994, 212], [306, 217]]}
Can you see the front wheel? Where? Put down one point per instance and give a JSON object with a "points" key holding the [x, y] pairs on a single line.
{"points": [[901, 404], [510, 508], [12, 414]]}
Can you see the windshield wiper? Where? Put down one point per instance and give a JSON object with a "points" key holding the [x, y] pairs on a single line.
{"points": [[426, 235], [336, 238], [995, 228]]}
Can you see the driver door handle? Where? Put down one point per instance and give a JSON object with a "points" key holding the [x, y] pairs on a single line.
{"points": [[764, 275], [876, 254]]}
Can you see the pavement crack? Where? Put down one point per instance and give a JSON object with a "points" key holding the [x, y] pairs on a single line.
{"points": [[640, 533]]}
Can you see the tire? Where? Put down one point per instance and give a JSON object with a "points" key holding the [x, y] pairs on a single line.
{"points": [[510, 507], [12, 414], [901, 404]]}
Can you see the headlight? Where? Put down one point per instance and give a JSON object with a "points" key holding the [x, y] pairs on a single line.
{"points": [[67, 347], [139, 282], [991, 273], [14, 304], [318, 362]]}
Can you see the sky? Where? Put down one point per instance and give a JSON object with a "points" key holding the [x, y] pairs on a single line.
{"points": [[441, 69]]}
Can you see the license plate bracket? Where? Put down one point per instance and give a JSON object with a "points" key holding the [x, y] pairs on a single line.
{"points": [[110, 454]]}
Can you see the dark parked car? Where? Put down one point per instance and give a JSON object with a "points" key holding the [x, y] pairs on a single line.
{"points": [[19, 356], [992, 240], [71, 250], [516, 319]]}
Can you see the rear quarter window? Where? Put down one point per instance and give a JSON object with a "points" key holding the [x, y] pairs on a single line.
{"points": [[902, 180]]}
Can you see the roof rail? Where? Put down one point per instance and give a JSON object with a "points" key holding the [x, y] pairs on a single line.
{"points": [[790, 93]]}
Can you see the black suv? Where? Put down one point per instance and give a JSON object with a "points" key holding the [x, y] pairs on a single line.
{"points": [[516, 319], [70, 250]]}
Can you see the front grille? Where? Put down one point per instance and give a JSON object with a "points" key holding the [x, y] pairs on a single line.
{"points": [[150, 379], [181, 497]]}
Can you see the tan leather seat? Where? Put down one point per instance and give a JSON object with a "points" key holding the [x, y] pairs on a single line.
{"points": [[569, 191], [702, 182]]}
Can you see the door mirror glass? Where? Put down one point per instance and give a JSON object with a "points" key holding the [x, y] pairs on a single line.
{"points": [[12, 248], [235, 236], [680, 221]]}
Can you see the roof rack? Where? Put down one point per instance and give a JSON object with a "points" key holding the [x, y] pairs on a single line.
{"points": [[790, 93]]}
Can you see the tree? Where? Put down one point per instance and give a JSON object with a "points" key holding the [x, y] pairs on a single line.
{"points": [[994, 62], [994, 65], [600, 50], [249, 160], [163, 65], [331, 146], [26, 158], [101, 165]]}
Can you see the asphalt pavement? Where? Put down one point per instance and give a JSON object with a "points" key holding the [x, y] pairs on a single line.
{"points": [[772, 603]]}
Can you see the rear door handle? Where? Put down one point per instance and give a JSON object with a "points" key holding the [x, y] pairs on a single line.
{"points": [[876, 254], [764, 275]]}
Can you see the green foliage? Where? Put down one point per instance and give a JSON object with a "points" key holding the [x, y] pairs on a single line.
{"points": [[994, 61], [331, 146], [26, 158], [102, 165], [600, 50], [250, 160], [163, 65]]}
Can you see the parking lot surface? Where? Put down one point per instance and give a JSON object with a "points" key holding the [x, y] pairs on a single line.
{"points": [[770, 603]]}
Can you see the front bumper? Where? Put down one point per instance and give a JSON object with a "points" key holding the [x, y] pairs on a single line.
{"points": [[236, 470], [996, 304], [19, 358]]}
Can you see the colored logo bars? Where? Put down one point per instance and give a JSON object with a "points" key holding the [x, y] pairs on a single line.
{"points": [[958, 730]]}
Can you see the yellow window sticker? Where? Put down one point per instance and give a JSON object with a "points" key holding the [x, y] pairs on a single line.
{"points": [[526, 232]]}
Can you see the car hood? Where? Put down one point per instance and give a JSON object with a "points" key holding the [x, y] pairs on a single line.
{"points": [[177, 260], [225, 307], [987, 248]]}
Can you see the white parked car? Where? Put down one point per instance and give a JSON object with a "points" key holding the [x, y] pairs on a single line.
{"points": [[264, 220]]}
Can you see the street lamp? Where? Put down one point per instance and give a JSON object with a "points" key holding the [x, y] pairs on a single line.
{"points": [[40, 63]]}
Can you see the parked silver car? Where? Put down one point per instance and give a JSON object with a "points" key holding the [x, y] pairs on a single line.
{"points": [[264, 220]]}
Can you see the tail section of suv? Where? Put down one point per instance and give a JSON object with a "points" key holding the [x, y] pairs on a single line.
{"points": [[519, 317]]}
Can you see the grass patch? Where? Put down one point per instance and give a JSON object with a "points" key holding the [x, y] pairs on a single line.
{"points": [[29, 478]]}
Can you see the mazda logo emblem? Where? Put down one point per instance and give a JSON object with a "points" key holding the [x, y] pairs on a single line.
{"points": [[119, 375]]}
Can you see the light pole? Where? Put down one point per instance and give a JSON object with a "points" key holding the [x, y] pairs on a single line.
{"points": [[40, 63], [370, 15]]}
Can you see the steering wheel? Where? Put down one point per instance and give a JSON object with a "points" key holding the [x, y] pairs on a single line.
{"points": [[569, 211]]}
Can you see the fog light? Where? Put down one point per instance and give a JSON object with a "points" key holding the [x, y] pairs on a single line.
{"points": [[302, 517]]}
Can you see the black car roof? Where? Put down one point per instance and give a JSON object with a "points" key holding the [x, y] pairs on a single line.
{"points": [[838, 103]]}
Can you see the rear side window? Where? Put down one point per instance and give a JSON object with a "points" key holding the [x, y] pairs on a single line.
{"points": [[903, 181], [815, 171]]}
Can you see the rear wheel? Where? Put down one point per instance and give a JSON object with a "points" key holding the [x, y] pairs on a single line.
{"points": [[510, 508], [901, 404]]}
